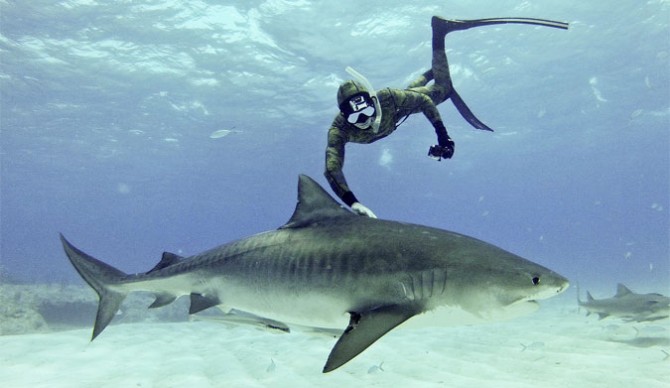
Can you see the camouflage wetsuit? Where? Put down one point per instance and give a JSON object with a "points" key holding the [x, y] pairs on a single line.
{"points": [[418, 97], [396, 105]]}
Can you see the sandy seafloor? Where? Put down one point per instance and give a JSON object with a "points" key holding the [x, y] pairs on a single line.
{"points": [[557, 346]]}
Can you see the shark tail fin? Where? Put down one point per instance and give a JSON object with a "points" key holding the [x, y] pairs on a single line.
{"points": [[99, 276]]}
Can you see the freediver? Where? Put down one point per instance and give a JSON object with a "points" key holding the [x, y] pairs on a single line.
{"points": [[366, 116]]}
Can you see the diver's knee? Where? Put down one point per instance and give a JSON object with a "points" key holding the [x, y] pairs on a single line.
{"points": [[440, 94]]}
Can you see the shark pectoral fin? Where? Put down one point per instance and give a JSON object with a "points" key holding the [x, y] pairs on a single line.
{"points": [[201, 302], [363, 330], [162, 300]]}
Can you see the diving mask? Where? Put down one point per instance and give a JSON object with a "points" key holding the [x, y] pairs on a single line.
{"points": [[360, 110]]}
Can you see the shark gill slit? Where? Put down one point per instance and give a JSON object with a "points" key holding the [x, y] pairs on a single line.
{"points": [[425, 284]]}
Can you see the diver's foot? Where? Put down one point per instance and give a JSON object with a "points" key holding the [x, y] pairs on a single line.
{"points": [[445, 26]]}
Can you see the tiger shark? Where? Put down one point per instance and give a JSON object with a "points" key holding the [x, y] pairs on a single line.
{"points": [[627, 305], [327, 266]]}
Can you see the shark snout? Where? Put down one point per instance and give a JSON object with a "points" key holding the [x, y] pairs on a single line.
{"points": [[563, 287], [563, 284], [551, 285]]}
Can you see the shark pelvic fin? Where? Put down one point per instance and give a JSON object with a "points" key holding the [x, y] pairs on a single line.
{"points": [[364, 329], [163, 299], [314, 205]]}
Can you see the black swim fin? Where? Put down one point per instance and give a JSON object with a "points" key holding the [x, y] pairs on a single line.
{"points": [[449, 25], [457, 25], [466, 112]]}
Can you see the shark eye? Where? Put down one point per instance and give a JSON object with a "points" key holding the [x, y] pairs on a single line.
{"points": [[536, 280]]}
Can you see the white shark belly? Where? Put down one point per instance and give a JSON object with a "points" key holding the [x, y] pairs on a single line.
{"points": [[307, 308]]}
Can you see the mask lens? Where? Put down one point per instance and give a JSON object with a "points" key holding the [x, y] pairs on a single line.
{"points": [[362, 115]]}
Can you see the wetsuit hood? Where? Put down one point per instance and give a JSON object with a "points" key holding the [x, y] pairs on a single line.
{"points": [[359, 86], [349, 89]]}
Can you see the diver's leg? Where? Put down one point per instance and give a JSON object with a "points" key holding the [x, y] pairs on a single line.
{"points": [[439, 70], [442, 88], [422, 80]]}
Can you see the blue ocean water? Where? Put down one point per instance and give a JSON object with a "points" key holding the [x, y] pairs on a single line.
{"points": [[108, 108]]}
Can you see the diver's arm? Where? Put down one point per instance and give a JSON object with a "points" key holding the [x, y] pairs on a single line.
{"points": [[334, 163], [411, 102], [445, 147], [335, 176]]}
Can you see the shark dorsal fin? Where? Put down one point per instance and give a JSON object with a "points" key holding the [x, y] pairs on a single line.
{"points": [[167, 260], [622, 290], [589, 298], [314, 205]]}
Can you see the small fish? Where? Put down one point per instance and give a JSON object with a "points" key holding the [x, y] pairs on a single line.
{"points": [[376, 368], [222, 133], [271, 368], [537, 345]]}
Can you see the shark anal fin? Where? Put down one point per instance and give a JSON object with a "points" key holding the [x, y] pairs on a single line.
{"points": [[162, 300], [363, 330], [201, 302]]}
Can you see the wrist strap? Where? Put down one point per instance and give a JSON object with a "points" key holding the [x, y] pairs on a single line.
{"points": [[349, 198], [442, 135]]}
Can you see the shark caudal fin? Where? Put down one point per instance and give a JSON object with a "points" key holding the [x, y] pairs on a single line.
{"points": [[99, 276]]}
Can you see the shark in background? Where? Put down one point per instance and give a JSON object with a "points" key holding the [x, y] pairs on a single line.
{"points": [[330, 268], [627, 305]]}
